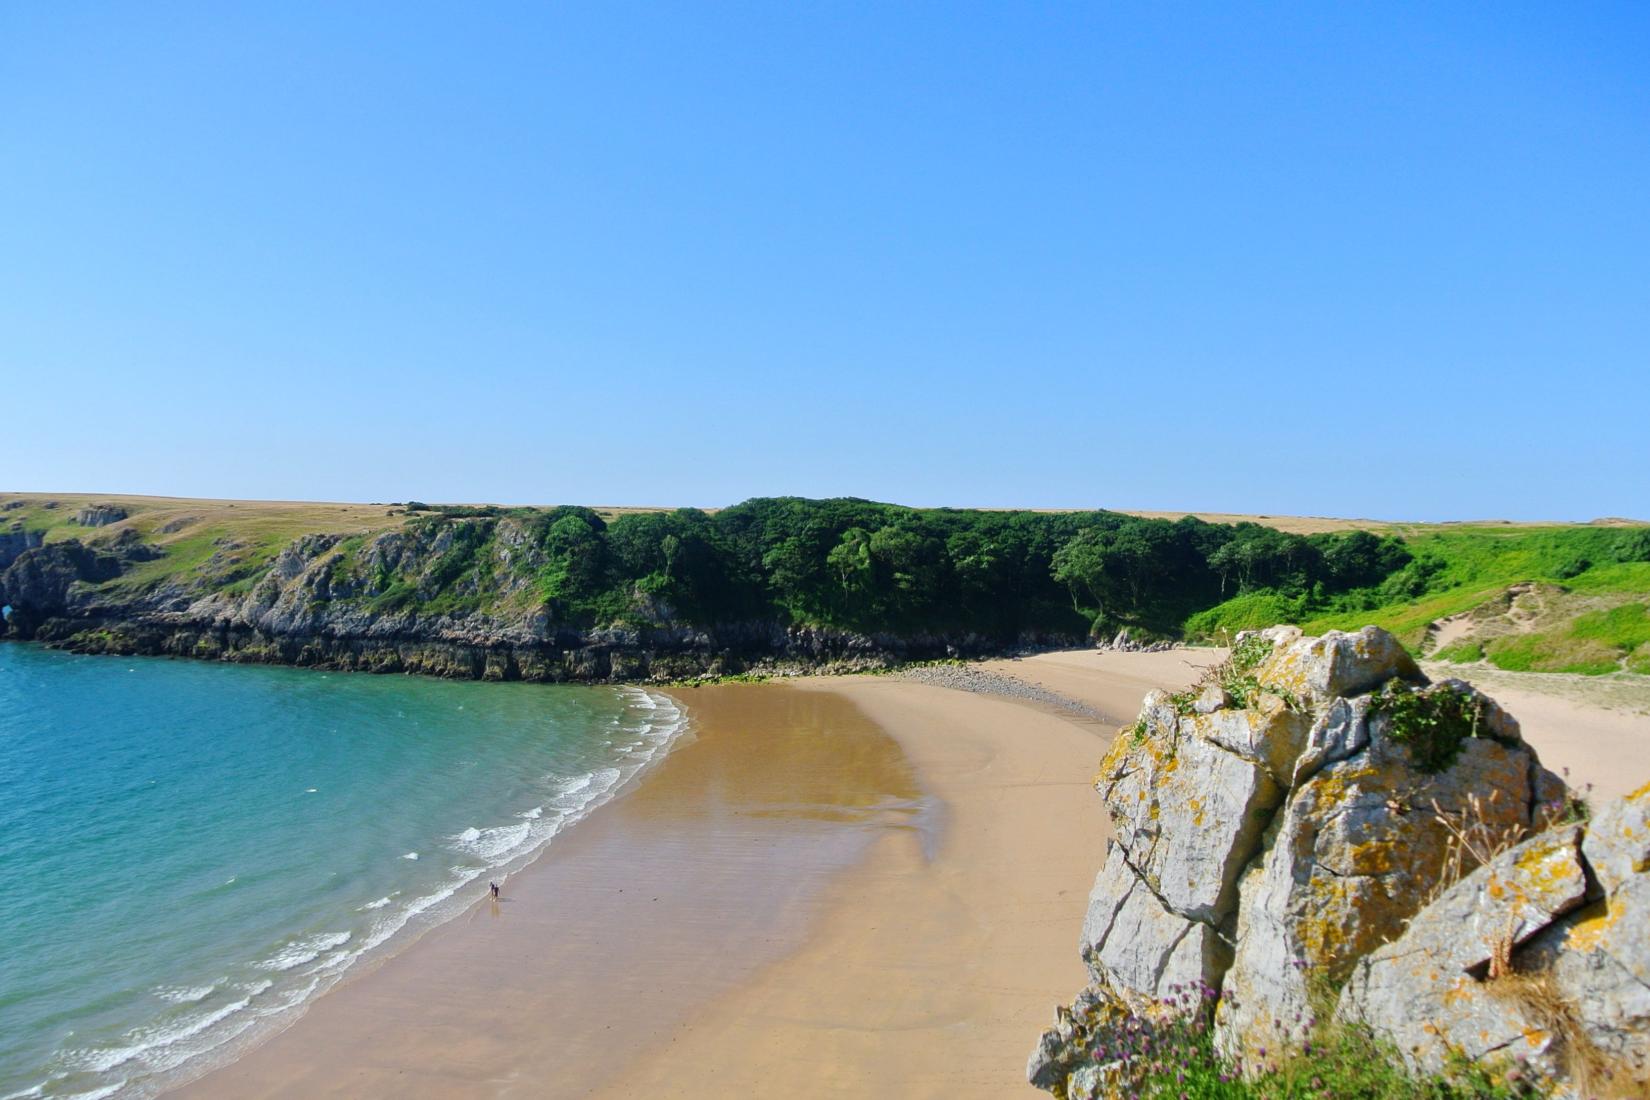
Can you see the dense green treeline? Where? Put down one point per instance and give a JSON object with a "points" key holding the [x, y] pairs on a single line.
{"points": [[870, 567]]}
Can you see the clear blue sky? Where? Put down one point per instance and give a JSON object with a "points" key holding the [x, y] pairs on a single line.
{"points": [[1374, 260]]}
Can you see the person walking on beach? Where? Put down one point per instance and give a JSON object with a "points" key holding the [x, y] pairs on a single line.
{"points": [[494, 887]]}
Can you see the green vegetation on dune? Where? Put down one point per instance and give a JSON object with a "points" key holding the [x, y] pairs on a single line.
{"points": [[1623, 576], [1593, 642], [1591, 625], [1462, 653]]}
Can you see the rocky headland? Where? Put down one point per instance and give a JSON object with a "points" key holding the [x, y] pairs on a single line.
{"points": [[460, 598], [1318, 840]]}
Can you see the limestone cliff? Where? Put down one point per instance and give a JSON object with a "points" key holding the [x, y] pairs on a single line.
{"points": [[1303, 836]]}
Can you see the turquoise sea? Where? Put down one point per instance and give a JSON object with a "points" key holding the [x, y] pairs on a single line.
{"points": [[190, 851]]}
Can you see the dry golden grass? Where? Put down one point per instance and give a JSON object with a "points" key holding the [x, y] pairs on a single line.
{"points": [[1475, 838], [1592, 1072], [152, 512], [1295, 525], [326, 516]]}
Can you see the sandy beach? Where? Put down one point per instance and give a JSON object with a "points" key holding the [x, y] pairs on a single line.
{"points": [[844, 887], [923, 975], [633, 921]]}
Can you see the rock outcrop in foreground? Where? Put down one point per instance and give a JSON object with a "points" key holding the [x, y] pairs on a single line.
{"points": [[1318, 830]]}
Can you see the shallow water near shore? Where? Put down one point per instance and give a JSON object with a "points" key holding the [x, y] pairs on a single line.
{"points": [[191, 852], [613, 944]]}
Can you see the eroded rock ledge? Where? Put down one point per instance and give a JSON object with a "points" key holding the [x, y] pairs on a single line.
{"points": [[1303, 837]]}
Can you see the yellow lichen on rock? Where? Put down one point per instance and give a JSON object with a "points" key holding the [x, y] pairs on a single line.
{"points": [[1618, 839], [1592, 925], [1316, 669]]}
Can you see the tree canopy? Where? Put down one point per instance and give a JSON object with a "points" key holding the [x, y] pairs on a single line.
{"points": [[879, 568]]}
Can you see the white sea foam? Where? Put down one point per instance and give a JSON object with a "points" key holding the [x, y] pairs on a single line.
{"points": [[299, 952], [291, 998], [576, 784], [574, 798], [491, 844], [176, 1054], [141, 1041], [410, 855], [96, 1094], [27, 1094], [379, 904], [390, 925], [185, 994], [335, 961]]}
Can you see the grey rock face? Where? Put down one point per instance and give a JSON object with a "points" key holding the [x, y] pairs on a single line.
{"points": [[1353, 857], [1268, 733], [1596, 960], [1063, 1049], [1599, 962], [100, 515], [38, 582], [1504, 903], [1618, 840], [14, 540], [1575, 998], [1188, 813], [1318, 669], [1428, 993], [1137, 947], [1431, 1013], [1213, 697], [1340, 730]]}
